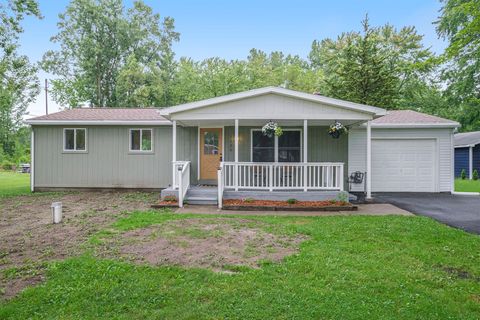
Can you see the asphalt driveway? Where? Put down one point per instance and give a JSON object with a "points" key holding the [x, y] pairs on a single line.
{"points": [[458, 211]]}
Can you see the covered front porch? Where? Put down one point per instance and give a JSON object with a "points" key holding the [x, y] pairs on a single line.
{"points": [[237, 159]]}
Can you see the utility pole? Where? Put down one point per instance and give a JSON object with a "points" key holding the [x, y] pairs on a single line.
{"points": [[46, 96]]}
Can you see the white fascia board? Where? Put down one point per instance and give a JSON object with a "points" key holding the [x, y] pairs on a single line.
{"points": [[415, 125], [465, 146], [99, 122], [166, 112]]}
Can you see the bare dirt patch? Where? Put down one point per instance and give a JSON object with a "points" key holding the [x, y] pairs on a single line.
{"points": [[28, 238], [216, 244]]}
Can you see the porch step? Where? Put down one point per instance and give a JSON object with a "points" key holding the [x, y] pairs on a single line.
{"points": [[201, 200], [202, 195]]}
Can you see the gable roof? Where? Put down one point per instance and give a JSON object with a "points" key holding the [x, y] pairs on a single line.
{"points": [[410, 118], [102, 116], [466, 139], [274, 90]]}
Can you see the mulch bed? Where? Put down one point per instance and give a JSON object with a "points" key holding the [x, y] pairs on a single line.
{"points": [[165, 204], [275, 205]]}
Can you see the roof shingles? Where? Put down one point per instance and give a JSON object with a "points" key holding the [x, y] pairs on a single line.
{"points": [[105, 114], [410, 117]]}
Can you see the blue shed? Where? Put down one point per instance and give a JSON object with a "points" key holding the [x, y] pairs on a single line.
{"points": [[467, 153]]}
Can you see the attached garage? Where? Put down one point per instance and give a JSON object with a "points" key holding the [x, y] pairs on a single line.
{"points": [[404, 165], [411, 152]]}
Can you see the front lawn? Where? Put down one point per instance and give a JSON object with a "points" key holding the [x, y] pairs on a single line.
{"points": [[338, 267], [467, 185], [13, 183]]}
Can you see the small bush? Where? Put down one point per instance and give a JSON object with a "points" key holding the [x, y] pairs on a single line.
{"points": [[342, 197], [292, 201], [463, 174], [170, 199], [333, 201], [7, 165], [248, 200], [23, 159], [475, 174]]}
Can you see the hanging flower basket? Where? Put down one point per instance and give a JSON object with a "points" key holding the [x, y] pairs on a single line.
{"points": [[336, 130], [271, 129]]}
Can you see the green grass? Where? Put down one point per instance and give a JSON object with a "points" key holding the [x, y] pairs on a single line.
{"points": [[13, 183], [356, 267], [467, 185]]}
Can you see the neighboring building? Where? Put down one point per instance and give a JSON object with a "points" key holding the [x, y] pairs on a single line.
{"points": [[467, 153], [198, 142]]}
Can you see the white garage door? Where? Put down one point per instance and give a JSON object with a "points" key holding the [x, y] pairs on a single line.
{"points": [[403, 165]]}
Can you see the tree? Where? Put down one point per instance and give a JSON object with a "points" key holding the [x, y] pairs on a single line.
{"points": [[459, 23], [96, 39], [371, 67], [19, 84]]}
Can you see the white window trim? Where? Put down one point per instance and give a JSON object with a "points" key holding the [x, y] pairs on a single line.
{"points": [[141, 136], [75, 140], [275, 145]]}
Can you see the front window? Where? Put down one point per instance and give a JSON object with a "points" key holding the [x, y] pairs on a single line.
{"points": [[289, 146], [286, 148], [263, 147], [75, 139], [141, 140]]}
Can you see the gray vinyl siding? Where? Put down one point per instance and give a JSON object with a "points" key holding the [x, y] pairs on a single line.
{"points": [[358, 148], [321, 147], [187, 149], [107, 162]]}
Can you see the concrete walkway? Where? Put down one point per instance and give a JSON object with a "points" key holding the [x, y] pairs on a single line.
{"points": [[374, 209]]}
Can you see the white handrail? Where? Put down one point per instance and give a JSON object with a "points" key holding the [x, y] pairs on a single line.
{"points": [[176, 165], [221, 185], [183, 178], [283, 175]]}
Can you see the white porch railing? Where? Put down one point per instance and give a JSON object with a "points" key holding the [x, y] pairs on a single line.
{"points": [[181, 180], [282, 176]]}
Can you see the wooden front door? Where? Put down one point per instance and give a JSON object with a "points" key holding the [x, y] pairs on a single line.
{"points": [[210, 153]]}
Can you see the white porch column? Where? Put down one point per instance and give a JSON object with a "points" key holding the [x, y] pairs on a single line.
{"points": [[369, 160], [470, 162], [236, 156], [174, 151], [32, 161], [305, 154]]}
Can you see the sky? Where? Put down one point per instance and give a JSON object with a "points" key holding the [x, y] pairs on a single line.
{"points": [[229, 29]]}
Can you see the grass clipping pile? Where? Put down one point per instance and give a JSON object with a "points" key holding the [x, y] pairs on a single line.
{"points": [[219, 244]]}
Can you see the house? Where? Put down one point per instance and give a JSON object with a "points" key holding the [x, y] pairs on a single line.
{"points": [[467, 153], [219, 142]]}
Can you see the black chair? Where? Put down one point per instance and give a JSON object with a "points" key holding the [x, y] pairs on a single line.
{"points": [[355, 178]]}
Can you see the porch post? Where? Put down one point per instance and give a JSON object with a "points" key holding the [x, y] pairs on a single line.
{"points": [[236, 156], [369, 160], [470, 162], [305, 154], [174, 152]]}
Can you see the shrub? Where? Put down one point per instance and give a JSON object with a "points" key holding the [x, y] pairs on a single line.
{"points": [[342, 197], [23, 159], [475, 174], [292, 201], [248, 200], [333, 201], [463, 174], [7, 165]]}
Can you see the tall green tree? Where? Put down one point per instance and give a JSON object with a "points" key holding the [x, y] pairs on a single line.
{"points": [[372, 66], [19, 84], [96, 38], [459, 24]]}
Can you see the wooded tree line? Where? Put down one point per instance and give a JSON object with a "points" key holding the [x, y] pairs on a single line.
{"points": [[110, 56]]}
